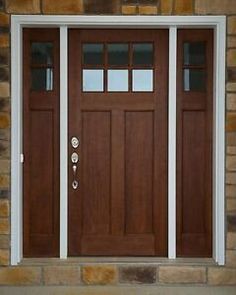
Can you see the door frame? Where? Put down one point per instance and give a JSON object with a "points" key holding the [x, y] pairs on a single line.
{"points": [[218, 23]]}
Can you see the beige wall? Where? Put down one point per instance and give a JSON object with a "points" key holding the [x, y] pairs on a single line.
{"points": [[73, 273]]}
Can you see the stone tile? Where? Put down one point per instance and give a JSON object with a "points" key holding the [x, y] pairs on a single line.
{"points": [[23, 6], [231, 101], [4, 120], [215, 7], [149, 10], [221, 276], [4, 135], [231, 86], [4, 74], [231, 163], [231, 122], [231, 241], [183, 7], [4, 257], [4, 193], [4, 19], [102, 6], [2, 6], [231, 205], [231, 74], [231, 178], [231, 58], [62, 7], [4, 89], [4, 208], [138, 274], [182, 274], [231, 150], [231, 42], [61, 275], [4, 242], [4, 56], [166, 6], [4, 30], [231, 138], [4, 40], [231, 25], [231, 223], [4, 148], [99, 274], [4, 181], [231, 258], [230, 191], [4, 226], [129, 9], [20, 276], [4, 166], [4, 105]]}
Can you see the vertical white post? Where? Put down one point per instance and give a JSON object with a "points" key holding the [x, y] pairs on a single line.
{"points": [[63, 141], [16, 146], [219, 145], [172, 144]]}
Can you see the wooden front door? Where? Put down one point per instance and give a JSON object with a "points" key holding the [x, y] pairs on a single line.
{"points": [[118, 112]]}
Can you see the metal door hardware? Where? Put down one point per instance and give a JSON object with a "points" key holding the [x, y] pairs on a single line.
{"points": [[74, 142], [74, 158], [75, 184]]}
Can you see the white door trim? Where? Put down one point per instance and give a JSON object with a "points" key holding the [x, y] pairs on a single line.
{"points": [[218, 23]]}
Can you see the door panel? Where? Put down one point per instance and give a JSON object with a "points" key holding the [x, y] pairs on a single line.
{"points": [[194, 143], [120, 207], [41, 168], [139, 172], [96, 171]]}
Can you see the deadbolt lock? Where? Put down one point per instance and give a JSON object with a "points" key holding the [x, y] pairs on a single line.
{"points": [[74, 142]]}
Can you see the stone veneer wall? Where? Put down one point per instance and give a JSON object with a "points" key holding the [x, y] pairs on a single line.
{"points": [[66, 273]]}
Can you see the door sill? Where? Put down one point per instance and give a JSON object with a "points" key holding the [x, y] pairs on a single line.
{"points": [[118, 260]]}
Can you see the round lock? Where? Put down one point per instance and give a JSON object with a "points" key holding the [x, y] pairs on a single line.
{"points": [[74, 142]]}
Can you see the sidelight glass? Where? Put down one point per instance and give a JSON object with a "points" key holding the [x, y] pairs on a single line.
{"points": [[194, 53], [118, 54], [142, 80], [194, 80], [142, 54], [42, 79], [93, 80], [42, 53], [118, 80], [93, 54]]}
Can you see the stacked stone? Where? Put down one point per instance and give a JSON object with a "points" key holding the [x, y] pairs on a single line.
{"points": [[59, 273], [4, 136]]}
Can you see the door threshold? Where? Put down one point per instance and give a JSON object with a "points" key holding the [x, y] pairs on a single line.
{"points": [[118, 260]]}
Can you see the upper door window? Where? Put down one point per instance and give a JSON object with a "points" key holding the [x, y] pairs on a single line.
{"points": [[41, 66], [117, 67]]}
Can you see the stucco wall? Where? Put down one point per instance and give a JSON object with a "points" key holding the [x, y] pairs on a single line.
{"points": [[73, 273]]}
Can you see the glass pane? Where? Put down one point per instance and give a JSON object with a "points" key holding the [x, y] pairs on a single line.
{"points": [[118, 80], [41, 53], [93, 54], [143, 54], [93, 80], [118, 54], [194, 53], [142, 80], [194, 80], [42, 79]]}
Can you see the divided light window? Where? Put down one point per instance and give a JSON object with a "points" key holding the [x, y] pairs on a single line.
{"points": [[118, 67]]}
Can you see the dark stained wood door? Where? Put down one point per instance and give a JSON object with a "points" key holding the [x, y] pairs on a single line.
{"points": [[41, 168], [120, 206], [194, 142]]}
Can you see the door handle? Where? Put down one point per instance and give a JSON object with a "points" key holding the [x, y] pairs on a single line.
{"points": [[74, 160]]}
